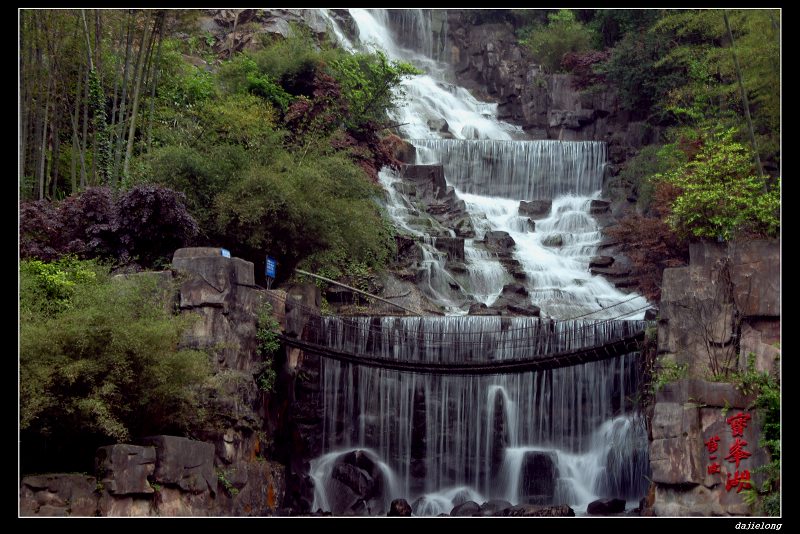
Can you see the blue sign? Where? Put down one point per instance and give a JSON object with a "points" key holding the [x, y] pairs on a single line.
{"points": [[270, 269], [226, 253]]}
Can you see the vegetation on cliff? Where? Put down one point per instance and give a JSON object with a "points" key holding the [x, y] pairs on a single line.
{"points": [[99, 361], [709, 82], [276, 150]]}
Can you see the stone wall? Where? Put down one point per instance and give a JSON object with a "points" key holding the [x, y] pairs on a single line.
{"points": [[724, 306]]}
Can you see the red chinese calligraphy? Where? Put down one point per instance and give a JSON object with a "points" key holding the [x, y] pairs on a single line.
{"points": [[714, 468], [737, 453], [738, 423], [712, 445], [741, 481]]}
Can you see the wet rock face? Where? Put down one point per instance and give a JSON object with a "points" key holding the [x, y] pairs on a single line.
{"points": [[535, 209], [499, 242], [356, 486], [539, 474]]}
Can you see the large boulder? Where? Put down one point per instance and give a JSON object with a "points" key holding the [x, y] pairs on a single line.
{"points": [[493, 507], [468, 508], [185, 463], [429, 179], [553, 240], [124, 469], [499, 242], [597, 207], [606, 506], [58, 494], [601, 261], [453, 246], [399, 508], [356, 486], [535, 209]]}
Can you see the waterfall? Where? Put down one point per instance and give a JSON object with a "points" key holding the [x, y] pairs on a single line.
{"points": [[567, 435], [522, 170], [487, 433]]}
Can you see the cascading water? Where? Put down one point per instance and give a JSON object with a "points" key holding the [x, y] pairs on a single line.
{"points": [[566, 435]]}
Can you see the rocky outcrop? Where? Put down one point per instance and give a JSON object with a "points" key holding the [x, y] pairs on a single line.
{"points": [[728, 293], [713, 314], [174, 476], [59, 495], [125, 469]]}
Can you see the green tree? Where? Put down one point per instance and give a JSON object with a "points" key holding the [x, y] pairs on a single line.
{"points": [[100, 358], [720, 194], [563, 33]]}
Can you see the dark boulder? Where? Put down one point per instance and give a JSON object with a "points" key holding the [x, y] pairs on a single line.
{"points": [[453, 246], [183, 462], [468, 508], [535, 209], [429, 179], [596, 207], [399, 508], [539, 474], [553, 240], [537, 510], [515, 289], [479, 308], [606, 506], [499, 242], [124, 469], [601, 261], [493, 507]]}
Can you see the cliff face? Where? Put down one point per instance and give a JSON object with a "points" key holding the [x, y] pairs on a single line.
{"points": [[722, 308], [488, 60]]}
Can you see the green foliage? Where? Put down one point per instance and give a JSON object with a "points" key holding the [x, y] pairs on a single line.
{"points": [[222, 476], [563, 33], [634, 70], [99, 356], [268, 345], [297, 208], [243, 74], [100, 124], [720, 194], [367, 82], [48, 288], [611, 25], [667, 371]]}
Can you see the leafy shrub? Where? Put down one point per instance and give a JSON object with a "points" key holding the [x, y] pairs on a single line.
{"points": [[268, 345], [152, 222], [99, 359], [633, 68], [563, 33], [719, 194], [145, 224]]}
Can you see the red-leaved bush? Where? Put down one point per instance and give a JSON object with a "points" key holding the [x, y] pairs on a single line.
{"points": [[143, 225]]}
